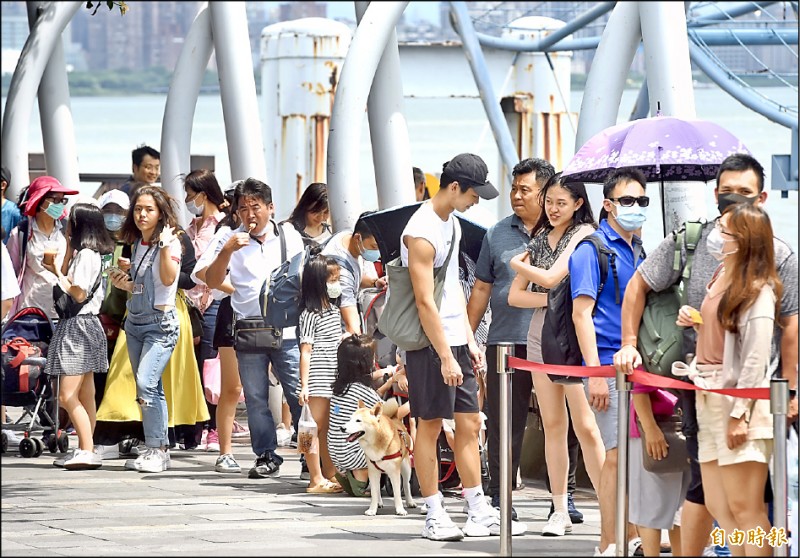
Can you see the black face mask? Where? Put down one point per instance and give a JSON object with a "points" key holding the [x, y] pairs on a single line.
{"points": [[724, 200]]}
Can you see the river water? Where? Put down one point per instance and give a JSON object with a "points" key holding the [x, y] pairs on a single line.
{"points": [[107, 128]]}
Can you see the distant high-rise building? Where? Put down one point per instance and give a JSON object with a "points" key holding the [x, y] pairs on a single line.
{"points": [[296, 10]]}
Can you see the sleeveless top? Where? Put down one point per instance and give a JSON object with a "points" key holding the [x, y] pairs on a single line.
{"points": [[542, 256]]}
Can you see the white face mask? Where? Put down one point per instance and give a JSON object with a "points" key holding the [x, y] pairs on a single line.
{"points": [[716, 244], [195, 209], [334, 289]]}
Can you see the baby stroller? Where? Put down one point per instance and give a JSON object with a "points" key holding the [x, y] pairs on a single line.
{"points": [[25, 339]]}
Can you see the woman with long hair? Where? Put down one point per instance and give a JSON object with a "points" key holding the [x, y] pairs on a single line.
{"points": [[310, 215], [151, 325], [205, 201], [734, 341], [566, 219], [78, 347]]}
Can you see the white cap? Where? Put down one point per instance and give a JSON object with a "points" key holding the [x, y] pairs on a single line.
{"points": [[115, 196]]}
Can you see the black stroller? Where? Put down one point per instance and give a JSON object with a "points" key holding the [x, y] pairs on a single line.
{"points": [[25, 339]]}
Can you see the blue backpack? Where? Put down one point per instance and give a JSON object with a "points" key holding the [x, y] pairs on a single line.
{"points": [[280, 294]]}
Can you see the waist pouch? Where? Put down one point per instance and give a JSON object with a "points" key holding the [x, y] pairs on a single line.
{"points": [[254, 335]]}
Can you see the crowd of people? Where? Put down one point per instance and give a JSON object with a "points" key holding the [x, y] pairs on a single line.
{"points": [[163, 304]]}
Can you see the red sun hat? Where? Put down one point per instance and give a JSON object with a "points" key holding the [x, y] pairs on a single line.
{"points": [[39, 188]]}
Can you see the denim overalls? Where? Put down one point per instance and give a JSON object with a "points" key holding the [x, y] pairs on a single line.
{"points": [[151, 336]]}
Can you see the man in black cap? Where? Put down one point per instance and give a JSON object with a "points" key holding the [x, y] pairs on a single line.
{"points": [[441, 377]]}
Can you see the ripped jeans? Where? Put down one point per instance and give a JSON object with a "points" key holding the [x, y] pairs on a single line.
{"points": [[151, 340]]}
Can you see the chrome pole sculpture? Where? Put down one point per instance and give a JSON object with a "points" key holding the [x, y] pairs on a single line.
{"points": [[503, 369], [779, 406], [623, 417]]}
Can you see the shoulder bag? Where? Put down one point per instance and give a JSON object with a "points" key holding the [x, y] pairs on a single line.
{"points": [[400, 318], [677, 459]]}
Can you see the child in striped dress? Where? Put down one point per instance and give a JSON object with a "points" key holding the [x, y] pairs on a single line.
{"points": [[353, 383], [320, 331]]}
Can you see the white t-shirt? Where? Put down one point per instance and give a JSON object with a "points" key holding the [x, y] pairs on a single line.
{"points": [[83, 271], [164, 296], [37, 282], [9, 288], [251, 265], [425, 223]]}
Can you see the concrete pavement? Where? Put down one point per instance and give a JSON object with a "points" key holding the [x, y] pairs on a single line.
{"points": [[191, 510]]}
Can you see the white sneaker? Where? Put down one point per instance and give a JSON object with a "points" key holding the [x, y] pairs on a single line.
{"points": [[633, 545], [709, 551], [152, 460], [227, 464], [59, 461], [488, 524], [12, 437], [441, 528], [83, 459], [558, 525], [284, 436], [107, 452], [611, 550]]}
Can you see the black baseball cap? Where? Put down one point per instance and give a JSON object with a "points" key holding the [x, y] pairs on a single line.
{"points": [[469, 169]]}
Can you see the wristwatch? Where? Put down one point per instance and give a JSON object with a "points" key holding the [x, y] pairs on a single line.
{"points": [[161, 243]]}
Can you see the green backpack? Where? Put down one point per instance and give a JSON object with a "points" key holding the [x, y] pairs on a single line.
{"points": [[660, 340]]}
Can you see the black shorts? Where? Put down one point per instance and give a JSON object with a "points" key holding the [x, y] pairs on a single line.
{"points": [[223, 330], [429, 397]]}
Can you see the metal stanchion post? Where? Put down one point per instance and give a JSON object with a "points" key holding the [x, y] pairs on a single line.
{"points": [[623, 416], [779, 406], [505, 448]]}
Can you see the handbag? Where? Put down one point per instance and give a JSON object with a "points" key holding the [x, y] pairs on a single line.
{"points": [[677, 459], [212, 380], [66, 306], [400, 318], [254, 335]]}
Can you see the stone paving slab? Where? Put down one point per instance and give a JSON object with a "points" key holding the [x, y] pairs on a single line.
{"points": [[193, 511]]}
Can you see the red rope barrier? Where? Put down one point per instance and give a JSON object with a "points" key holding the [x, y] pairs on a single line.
{"points": [[639, 376]]}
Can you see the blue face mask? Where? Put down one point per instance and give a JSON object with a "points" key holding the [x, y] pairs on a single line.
{"points": [[113, 222], [631, 218], [55, 210], [369, 255]]}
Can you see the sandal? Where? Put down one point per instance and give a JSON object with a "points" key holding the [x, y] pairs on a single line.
{"points": [[325, 488]]}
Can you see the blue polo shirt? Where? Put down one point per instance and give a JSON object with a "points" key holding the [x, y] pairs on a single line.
{"points": [[584, 271], [504, 240]]}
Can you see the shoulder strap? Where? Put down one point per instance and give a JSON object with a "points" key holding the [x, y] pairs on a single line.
{"points": [[452, 244], [604, 255], [691, 238], [282, 238]]}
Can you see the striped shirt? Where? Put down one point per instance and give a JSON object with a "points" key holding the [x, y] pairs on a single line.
{"points": [[345, 455], [322, 331]]}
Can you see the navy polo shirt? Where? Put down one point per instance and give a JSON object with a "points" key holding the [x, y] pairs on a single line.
{"points": [[584, 270], [504, 240]]}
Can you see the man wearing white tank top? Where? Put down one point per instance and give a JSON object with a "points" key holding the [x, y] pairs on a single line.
{"points": [[441, 377]]}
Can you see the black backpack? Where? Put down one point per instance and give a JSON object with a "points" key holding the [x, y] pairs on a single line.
{"points": [[279, 298], [559, 341]]}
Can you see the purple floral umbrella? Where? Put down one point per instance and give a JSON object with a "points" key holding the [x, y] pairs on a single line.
{"points": [[665, 148]]}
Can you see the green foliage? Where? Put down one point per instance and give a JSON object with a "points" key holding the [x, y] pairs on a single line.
{"points": [[123, 7]]}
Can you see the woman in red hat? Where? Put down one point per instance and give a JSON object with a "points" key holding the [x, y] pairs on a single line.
{"points": [[36, 237]]}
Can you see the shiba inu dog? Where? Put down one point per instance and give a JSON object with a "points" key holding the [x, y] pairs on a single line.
{"points": [[388, 447]]}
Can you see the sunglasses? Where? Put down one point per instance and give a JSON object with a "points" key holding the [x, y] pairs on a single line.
{"points": [[628, 201]]}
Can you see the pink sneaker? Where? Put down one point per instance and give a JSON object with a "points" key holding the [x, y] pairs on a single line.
{"points": [[203, 445], [212, 441], [239, 431]]}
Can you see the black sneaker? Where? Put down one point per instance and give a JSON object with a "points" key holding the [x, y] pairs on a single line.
{"points": [[496, 505], [574, 515], [264, 467]]}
